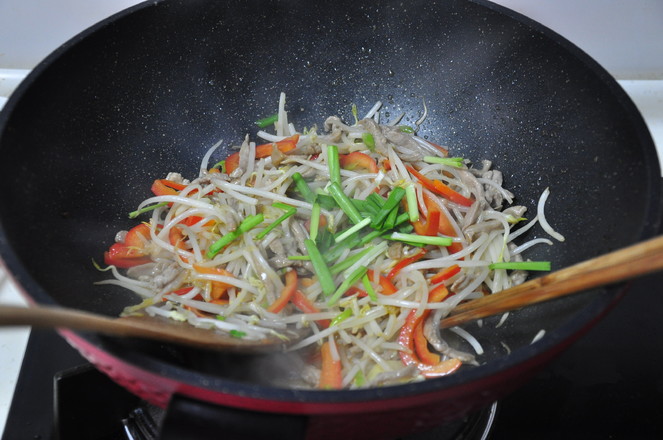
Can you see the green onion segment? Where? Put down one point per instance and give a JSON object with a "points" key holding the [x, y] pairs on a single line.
{"points": [[247, 224], [451, 161], [134, 214], [345, 203], [289, 211], [522, 265], [347, 283], [334, 164], [269, 120], [421, 239], [320, 268]]}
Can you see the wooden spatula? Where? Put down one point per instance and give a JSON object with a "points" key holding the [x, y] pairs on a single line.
{"points": [[146, 327], [631, 262]]}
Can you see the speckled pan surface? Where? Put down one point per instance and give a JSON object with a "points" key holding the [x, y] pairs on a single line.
{"points": [[149, 91]]}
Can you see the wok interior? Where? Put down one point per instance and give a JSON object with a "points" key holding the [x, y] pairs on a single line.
{"points": [[151, 91]]}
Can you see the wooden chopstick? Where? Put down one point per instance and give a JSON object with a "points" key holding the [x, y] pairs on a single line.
{"points": [[627, 263]]}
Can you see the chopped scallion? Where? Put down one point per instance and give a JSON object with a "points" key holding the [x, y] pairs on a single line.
{"points": [[221, 165], [347, 283], [421, 239], [522, 265], [376, 200], [250, 222], [237, 334], [269, 120], [344, 203], [282, 206], [392, 203], [247, 224], [412, 206], [340, 267], [390, 222], [402, 218], [334, 164], [303, 188], [315, 221], [299, 258], [406, 129], [369, 288], [320, 268], [325, 201], [138, 212], [451, 161], [370, 237], [289, 212], [345, 314], [359, 379], [348, 232], [369, 141]]}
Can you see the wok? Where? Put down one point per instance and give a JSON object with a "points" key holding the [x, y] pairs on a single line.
{"points": [[149, 90]]}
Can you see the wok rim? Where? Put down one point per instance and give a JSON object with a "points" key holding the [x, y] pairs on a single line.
{"points": [[563, 335]]}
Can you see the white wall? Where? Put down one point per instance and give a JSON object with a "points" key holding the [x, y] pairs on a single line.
{"points": [[625, 36]]}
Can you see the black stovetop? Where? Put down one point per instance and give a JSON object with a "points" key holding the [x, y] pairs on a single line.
{"points": [[608, 385]]}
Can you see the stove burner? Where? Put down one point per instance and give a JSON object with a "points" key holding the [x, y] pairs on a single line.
{"points": [[88, 405], [476, 426]]}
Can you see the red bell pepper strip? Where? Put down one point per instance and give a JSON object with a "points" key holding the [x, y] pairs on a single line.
{"points": [[354, 290], [445, 274], [440, 188], [330, 373], [419, 354], [405, 262], [193, 219], [430, 227], [433, 225], [176, 238], [164, 187], [138, 236], [425, 181], [284, 145], [132, 252], [123, 256], [232, 162], [286, 294], [450, 194], [305, 305], [421, 346], [218, 288], [357, 159], [436, 294], [388, 288], [445, 228], [264, 150], [444, 151]]}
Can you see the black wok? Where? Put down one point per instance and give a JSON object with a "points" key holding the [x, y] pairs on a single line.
{"points": [[149, 90]]}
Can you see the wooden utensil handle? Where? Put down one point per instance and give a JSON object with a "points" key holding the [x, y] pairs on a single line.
{"points": [[53, 317], [621, 265]]}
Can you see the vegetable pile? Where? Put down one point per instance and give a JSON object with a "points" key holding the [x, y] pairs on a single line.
{"points": [[366, 233]]}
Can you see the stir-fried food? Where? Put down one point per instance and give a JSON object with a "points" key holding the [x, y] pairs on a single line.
{"points": [[365, 234]]}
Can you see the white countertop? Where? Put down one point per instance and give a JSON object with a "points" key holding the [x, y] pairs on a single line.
{"points": [[623, 36]]}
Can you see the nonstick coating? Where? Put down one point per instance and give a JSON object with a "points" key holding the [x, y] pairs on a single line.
{"points": [[150, 90]]}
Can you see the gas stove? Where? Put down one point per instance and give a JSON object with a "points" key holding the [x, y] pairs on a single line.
{"points": [[607, 385]]}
